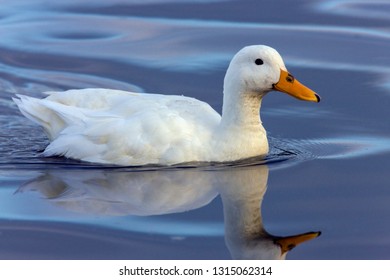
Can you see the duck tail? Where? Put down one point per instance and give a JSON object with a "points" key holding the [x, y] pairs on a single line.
{"points": [[42, 112]]}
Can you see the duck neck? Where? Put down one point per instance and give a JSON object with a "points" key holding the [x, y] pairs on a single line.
{"points": [[241, 110], [242, 192], [241, 134], [242, 218]]}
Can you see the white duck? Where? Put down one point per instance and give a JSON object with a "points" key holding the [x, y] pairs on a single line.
{"points": [[125, 128]]}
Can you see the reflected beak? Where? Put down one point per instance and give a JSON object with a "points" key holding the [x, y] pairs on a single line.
{"points": [[288, 84], [290, 242]]}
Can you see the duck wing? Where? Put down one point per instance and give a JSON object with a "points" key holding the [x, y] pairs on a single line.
{"points": [[118, 127]]}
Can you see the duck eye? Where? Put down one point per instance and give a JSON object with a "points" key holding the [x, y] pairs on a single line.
{"points": [[259, 61]]}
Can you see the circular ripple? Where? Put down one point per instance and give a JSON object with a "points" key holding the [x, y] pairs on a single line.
{"points": [[342, 147]]}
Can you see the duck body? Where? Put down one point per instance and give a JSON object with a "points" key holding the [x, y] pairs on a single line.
{"points": [[126, 128]]}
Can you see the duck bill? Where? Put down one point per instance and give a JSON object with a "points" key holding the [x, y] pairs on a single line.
{"points": [[290, 242], [288, 84]]}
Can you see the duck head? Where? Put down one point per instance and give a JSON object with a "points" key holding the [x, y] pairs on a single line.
{"points": [[260, 69]]}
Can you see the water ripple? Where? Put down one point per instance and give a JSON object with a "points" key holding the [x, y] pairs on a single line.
{"points": [[341, 147], [377, 9], [197, 43]]}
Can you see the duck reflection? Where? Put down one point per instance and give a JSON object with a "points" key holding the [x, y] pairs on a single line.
{"points": [[144, 193]]}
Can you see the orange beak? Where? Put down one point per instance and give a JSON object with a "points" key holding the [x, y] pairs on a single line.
{"points": [[288, 84], [290, 242]]}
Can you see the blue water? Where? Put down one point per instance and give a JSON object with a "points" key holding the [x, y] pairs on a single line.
{"points": [[328, 167]]}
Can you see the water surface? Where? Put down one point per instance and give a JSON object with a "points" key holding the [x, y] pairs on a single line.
{"points": [[327, 170]]}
